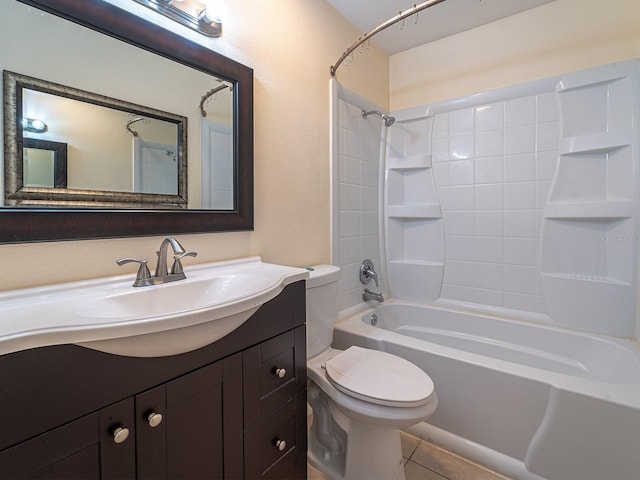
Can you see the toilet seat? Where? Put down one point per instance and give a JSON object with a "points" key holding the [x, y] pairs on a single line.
{"points": [[379, 377]]}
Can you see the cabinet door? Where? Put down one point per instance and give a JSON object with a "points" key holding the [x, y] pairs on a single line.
{"points": [[194, 425], [71, 451], [83, 449], [117, 441], [151, 432]]}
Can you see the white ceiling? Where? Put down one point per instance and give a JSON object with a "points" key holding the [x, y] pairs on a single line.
{"points": [[439, 21]]}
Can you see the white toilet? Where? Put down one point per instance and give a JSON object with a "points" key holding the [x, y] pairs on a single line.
{"points": [[360, 398]]}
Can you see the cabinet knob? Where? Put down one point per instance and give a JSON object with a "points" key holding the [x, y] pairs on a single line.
{"points": [[280, 372], [120, 434], [280, 444], [154, 419]]}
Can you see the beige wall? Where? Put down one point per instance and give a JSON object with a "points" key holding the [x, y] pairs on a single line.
{"points": [[559, 37], [290, 44]]}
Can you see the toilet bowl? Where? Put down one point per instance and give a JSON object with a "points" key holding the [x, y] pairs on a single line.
{"points": [[360, 398]]}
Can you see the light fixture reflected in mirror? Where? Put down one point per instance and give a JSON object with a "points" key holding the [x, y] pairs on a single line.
{"points": [[194, 14], [33, 125]]}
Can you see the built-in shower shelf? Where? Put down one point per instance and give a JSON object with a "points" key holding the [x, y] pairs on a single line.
{"points": [[596, 142], [418, 263], [599, 209], [414, 211], [587, 278], [409, 163], [594, 80]]}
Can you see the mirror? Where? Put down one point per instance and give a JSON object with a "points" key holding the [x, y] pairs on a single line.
{"points": [[122, 155], [225, 185]]}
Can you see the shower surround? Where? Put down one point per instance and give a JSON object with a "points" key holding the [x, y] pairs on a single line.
{"points": [[509, 231], [523, 202]]}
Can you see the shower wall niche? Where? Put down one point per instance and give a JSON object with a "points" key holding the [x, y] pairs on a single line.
{"points": [[521, 201], [590, 241], [415, 244]]}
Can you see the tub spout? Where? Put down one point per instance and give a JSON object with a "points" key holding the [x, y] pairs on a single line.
{"points": [[369, 295]]}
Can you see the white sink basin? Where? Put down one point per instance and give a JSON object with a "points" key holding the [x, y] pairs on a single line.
{"points": [[111, 315], [173, 298]]}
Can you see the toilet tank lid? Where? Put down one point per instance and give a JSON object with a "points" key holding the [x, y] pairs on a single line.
{"points": [[322, 274]]}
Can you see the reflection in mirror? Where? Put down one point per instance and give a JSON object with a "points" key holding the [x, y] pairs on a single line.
{"points": [[108, 161], [217, 150], [120, 139]]}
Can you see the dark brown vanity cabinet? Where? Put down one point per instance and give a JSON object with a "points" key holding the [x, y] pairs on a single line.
{"points": [[233, 409]]}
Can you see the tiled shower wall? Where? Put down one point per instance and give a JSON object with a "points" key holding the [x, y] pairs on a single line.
{"points": [[358, 235], [493, 166]]}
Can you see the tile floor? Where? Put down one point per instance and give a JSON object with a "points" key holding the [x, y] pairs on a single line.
{"points": [[426, 461]]}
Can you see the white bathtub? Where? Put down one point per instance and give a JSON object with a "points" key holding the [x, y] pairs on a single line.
{"points": [[529, 400]]}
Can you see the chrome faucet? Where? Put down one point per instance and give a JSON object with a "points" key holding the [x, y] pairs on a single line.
{"points": [[161, 266], [162, 275], [367, 273], [369, 295]]}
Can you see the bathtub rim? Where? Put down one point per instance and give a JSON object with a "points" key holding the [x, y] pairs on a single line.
{"points": [[626, 394]]}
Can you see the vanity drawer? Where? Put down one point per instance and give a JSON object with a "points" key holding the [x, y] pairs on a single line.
{"points": [[276, 446], [274, 372]]}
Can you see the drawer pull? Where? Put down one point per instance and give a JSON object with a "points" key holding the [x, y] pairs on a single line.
{"points": [[280, 445], [120, 434], [154, 419], [280, 372]]}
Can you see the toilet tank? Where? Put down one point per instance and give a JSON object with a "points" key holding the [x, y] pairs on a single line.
{"points": [[322, 307]]}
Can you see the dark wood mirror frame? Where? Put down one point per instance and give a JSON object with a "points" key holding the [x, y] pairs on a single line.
{"points": [[35, 225]]}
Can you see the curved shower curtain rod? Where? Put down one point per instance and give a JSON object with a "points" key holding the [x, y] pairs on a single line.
{"points": [[208, 94], [401, 16], [131, 122]]}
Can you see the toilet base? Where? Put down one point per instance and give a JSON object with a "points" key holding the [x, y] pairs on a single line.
{"points": [[374, 453], [344, 448]]}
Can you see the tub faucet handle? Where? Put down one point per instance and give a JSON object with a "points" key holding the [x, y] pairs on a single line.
{"points": [[367, 272]]}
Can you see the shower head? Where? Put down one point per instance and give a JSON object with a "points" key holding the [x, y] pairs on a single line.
{"points": [[388, 121]]}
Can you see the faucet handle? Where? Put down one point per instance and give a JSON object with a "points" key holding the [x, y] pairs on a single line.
{"points": [[177, 265], [143, 271], [367, 272]]}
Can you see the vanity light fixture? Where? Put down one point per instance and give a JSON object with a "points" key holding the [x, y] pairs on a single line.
{"points": [[34, 125], [194, 14]]}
